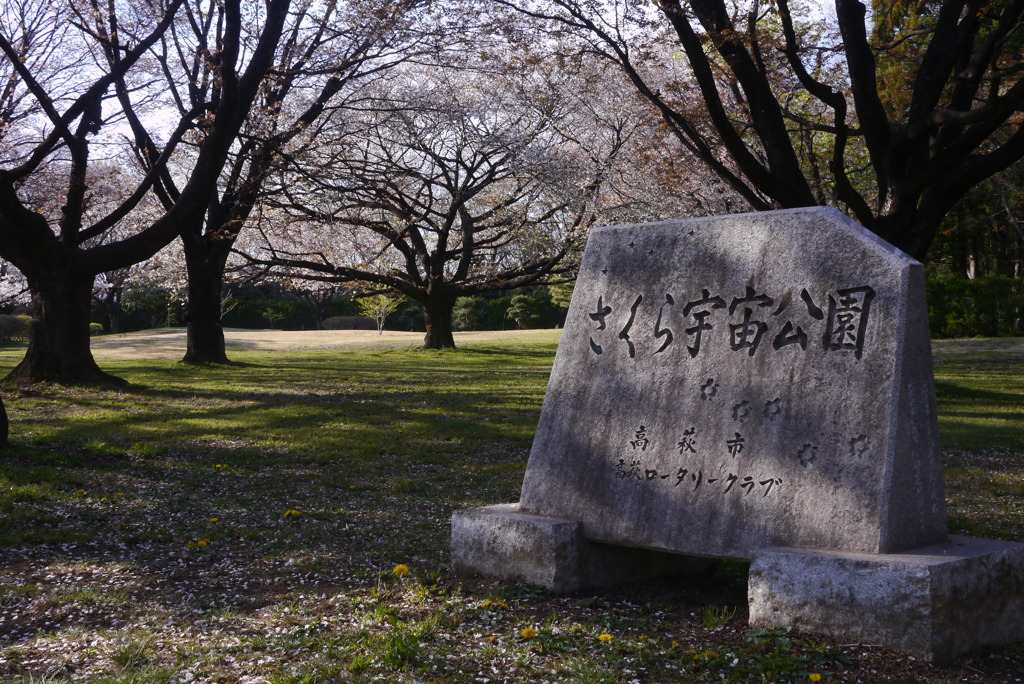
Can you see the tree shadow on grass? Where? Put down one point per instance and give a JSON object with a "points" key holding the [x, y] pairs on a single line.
{"points": [[946, 390]]}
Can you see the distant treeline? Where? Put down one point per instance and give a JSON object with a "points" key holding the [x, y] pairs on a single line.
{"points": [[991, 306], [274, 306]]}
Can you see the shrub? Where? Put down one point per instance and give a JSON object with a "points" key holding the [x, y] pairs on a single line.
{"points": [[470, 313], [527, 310]]}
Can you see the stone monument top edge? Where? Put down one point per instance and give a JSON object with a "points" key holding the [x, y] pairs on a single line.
{"points": [[773, 216]]}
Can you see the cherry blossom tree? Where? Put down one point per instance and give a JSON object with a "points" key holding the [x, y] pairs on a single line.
{"points": [[82, 72], [457, 181], [326, 55]]}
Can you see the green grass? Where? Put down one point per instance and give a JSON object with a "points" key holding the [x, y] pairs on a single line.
{"points": [[244, 521]]}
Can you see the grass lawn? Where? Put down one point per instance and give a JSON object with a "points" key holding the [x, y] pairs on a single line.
{"points": [[253, 523]]}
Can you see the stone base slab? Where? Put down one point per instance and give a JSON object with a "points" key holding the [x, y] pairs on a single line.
{"points": [[504, 543], [934, 602]]}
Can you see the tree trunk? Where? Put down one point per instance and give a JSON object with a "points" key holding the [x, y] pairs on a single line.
{"points": [[108, 308], [58, 348], [205, 264], [437, 314], [4, 425]]}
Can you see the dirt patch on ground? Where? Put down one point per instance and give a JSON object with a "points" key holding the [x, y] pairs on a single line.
{"points": [[170, 343]]}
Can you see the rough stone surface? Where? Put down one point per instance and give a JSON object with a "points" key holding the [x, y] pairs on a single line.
{"points": [[936, 602], [732, 383], [501, 542]]}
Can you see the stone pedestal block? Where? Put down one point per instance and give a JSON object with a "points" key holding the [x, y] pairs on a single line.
{"points": [[935, 602], [501, 542]]}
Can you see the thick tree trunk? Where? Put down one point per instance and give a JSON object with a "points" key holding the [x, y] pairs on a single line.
{"points": [[58, 348], [205, 263], [437, 313]]}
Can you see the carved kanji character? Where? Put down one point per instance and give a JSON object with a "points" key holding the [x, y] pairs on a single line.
{"points": [[706, 303], [747, 334], [792, 333], [688, 441], [848, 320], [641, 440], [634, 470]]}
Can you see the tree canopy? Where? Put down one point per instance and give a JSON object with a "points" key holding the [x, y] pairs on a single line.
{"points": [[455, 182], [893, 117]]}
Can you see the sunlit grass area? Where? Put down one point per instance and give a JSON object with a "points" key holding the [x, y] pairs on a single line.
{"points": [[255, 523]]}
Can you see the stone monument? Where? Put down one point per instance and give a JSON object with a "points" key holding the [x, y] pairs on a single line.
{"points": [[753, 387]]}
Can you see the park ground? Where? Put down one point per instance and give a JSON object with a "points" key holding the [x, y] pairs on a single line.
{"points": [[285, 519]]}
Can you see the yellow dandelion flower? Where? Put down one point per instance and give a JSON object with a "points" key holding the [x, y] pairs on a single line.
{"points": [[604, 637], [528, 633], [203, 543], [487, 603], [292, 513], [492, 639], [501, 604], [400, 570], [213, 520], [814, 677]]}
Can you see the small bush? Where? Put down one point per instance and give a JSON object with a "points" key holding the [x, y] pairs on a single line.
{"points": [[527, 311]]}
